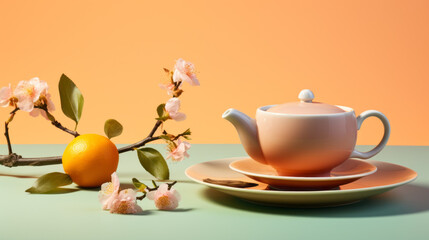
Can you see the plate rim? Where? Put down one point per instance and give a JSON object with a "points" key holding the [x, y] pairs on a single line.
{"points": [[302, 193]]}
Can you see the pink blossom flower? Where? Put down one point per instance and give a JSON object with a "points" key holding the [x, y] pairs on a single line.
{"points": [[172, 107], [125, 203], [180, 152], [109, 192], [169, 87], [49, 104], [28, 92], [184, 71], [165, 199], [6, 96]]}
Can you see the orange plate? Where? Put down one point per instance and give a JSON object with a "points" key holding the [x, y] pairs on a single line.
{"points": [[387, 177]]}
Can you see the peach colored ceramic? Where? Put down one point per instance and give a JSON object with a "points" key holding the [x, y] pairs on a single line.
{"points": [[387, 177], [304, 138], [347, 172]]}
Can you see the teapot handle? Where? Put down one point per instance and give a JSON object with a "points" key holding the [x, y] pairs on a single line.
{"points": [[380, 146]]}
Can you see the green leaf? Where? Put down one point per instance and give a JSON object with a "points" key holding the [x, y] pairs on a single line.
{"points": [[187, 132], [140, 186], [165, 137], [71, 99], [154, 163], [50, 182], [187, 137], [162, 114], [160, 110], [112, 128]]}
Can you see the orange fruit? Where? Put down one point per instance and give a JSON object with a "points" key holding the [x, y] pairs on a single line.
{"points": [[90, 159]]}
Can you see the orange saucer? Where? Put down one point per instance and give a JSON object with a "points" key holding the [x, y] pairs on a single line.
{"points": [[387, 177], [349, 171]]}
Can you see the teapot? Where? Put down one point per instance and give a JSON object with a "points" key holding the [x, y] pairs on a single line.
{"points": [[305, 138]]}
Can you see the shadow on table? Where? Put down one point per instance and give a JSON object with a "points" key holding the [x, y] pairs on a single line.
{"points": [[17, 176], [410, 199], [155, 211], [63, 191]]}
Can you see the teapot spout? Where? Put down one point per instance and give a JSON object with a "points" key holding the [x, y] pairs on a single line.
{"points": [[248, 133]]}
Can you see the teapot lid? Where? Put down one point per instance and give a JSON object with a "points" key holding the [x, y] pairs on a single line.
{"points": [[305, 106]]}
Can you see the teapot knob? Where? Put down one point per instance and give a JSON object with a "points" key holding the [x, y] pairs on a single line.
{"points": [[306, 95]]}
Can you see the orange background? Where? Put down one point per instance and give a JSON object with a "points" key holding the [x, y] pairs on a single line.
{"points": [[362, 54]]}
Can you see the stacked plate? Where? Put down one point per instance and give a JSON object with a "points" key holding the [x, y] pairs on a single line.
{"points": [[350, 182]]}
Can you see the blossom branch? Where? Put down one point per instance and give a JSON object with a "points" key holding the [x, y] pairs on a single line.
{"points": [[6, 134], [183, 134], [6, 130], [14, 111], [13, 160], [54, 122], [20, 161], [141, 197], [143, 142], [58, 125], [33, 94], [156, 187]]}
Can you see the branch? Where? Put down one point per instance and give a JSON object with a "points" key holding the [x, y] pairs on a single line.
{"points": [[58, 125], [143, 142], [185, 133], [6, 134], [14, 160], [6, 129], [55, 122], [170, 185]]}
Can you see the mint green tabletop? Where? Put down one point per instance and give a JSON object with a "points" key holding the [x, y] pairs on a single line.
{"points": [[204, 213]]}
